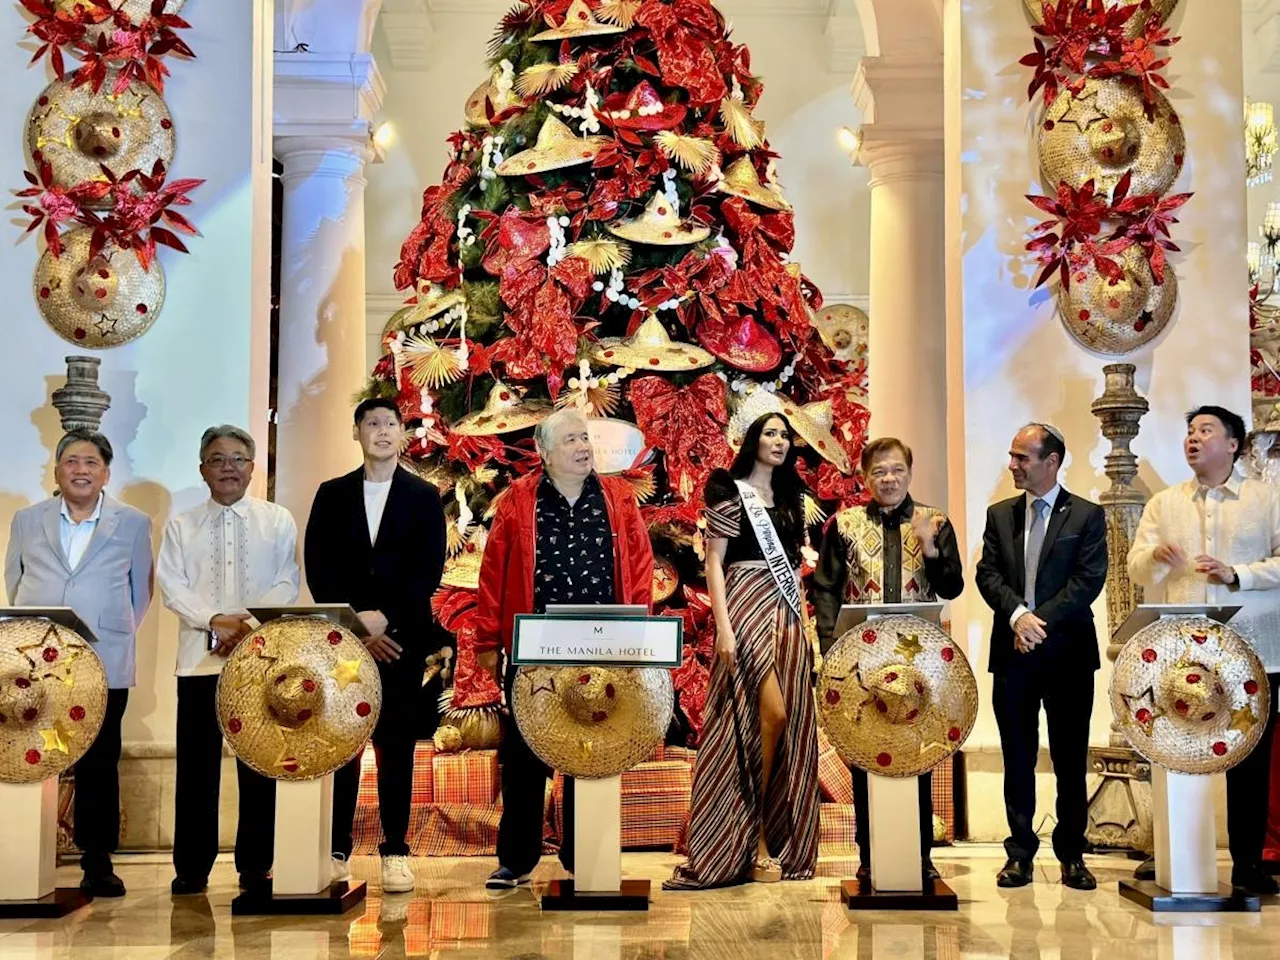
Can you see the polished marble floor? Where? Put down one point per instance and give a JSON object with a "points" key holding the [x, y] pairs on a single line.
{"points": [[450, 916]]}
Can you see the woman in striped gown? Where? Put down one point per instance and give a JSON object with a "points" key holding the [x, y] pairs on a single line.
{"points": [[755, 785]]}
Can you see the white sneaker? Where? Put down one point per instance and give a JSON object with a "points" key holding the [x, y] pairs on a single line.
{"points": [[340, 868], [397, 875]]}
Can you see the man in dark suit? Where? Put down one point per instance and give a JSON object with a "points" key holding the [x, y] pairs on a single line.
{"points": [[1044, 561], [376, 540]]}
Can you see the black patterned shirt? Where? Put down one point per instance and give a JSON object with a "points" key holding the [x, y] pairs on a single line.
{"points": [[574, 547]]}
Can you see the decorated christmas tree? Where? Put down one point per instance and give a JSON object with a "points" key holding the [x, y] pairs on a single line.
{"points": [[610, 234]]}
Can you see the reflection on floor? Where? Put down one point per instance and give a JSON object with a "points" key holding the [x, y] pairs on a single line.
{"points": [[450, 916]]}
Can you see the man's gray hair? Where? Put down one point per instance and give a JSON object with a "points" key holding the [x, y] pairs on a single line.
{"points": [[545, 431], [231, 432], [85, 436]]}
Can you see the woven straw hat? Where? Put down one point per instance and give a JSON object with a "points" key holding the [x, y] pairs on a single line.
{"points": [[555, 148], [659, 225], [740, 180], [1102, 133], [1190, 694], [579, 21], [1136, 23], [504, 411], [474, 112], [1118, 318], [813, 423], [463, 568], [100, 304], [896, 697], [299, 698], [665, 579], [433, 300], [844, 329], [595, 721], [642, 108], [53, 698], [76, 130], [743, 342], [650, 348]]}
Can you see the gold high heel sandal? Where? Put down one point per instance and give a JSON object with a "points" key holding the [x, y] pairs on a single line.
{"points": [[767, 870]]}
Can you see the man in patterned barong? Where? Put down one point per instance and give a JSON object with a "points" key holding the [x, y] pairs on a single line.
{"points": [[893, 550]]}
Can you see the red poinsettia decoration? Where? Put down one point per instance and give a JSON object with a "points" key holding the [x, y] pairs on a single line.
{"points": [[1072, 31], [57, 28], [141, 203], [134, 49], [54, 205], [1146, 220], [1070, 236]]}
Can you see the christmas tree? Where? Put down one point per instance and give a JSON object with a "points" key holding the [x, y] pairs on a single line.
{"points": [[610, 233]]}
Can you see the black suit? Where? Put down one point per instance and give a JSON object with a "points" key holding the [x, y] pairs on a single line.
{"points": [[1058, 672], [397, 575]]}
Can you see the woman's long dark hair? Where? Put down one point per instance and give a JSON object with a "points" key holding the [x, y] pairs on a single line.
{"points": [[788, 488]]}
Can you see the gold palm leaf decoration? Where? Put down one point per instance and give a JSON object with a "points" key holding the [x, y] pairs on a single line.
{"points": [[544, 78], [744, 129], [602, 254], [696, 154], [641, 481], [813, 513], [621, 13], [430, 365], [601, 401]]}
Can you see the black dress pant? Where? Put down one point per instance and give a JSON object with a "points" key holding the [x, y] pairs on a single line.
{"points": [[199, 782], [97, 798], [394, 742], [1067, 696], [524, 791], [1249, 794], [862, 815]]}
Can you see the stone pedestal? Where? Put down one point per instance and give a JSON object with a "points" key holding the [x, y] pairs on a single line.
{"points": [[81, 402]]}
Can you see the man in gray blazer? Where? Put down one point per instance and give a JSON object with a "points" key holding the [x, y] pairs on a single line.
{"points": [[86, 551]]}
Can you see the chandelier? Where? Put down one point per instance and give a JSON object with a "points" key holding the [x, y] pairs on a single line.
{"points": [[1259, 140]]}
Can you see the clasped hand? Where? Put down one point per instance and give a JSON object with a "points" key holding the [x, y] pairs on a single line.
{"points": [[378, 643], [228, 630], [1028, 632]]}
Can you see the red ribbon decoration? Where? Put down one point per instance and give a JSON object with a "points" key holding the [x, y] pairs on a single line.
{"points": [[681, 31], [687, 424]]}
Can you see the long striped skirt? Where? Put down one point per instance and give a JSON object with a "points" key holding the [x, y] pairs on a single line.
{"points": [[727, 805]]}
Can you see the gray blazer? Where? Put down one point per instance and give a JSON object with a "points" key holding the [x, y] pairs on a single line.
{"points": [[109, 590]]}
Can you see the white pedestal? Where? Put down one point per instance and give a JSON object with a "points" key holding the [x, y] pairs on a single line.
{"points": [[29, 839], [1187, 856], [597, 835], [304, 825], [894, 829]]}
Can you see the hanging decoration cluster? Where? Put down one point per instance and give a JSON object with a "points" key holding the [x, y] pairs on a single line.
{"points": [[1111, 146], [100, 143]]}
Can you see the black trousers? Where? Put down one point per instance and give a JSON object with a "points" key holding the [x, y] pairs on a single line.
{"points": [[862, 815], [1249, 794], [97, 800], [1067, 696], [199, 782], [524, 791], [394, 741]]}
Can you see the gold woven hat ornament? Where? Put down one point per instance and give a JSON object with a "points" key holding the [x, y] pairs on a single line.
{"points": [[77, 131], [434, 303], [813, 423], [1102, 133], [1136, 23], [845, 330], [579, 21], [505, 410], [740, 180], [896, 697], [659, 225], [595, 721], [463, 568], [475, 113], [1118, 317], [650, 348], [97, 304], [665, 579], [299, 698], [1190, 694], [53, 699], [556, 147]]}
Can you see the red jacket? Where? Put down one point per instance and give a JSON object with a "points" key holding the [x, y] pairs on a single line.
{"points": [[506, 573]]}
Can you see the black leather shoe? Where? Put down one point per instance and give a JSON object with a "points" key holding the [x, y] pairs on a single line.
{"points": [[188, 886], [1253, 879], [864, 873], [256, 882], [102, 885], [930, 871], [1077, 876], [1015, 873], [1146, 870]]}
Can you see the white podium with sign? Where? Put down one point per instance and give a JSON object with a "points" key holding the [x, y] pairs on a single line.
{"points": [[600, 636]]}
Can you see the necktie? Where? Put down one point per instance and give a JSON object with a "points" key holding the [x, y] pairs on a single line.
{"points": [[1035, 542]]}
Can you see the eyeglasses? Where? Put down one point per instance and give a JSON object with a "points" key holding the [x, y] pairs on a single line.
{"points": [[218, 460]]}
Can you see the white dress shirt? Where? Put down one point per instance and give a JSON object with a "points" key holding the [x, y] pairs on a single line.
{"points": [[221, 560], [1050, 498], [375, 502], [1237, 523], [76, 536]]}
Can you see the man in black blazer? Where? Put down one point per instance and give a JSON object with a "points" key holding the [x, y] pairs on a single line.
{"points": [[376, 540], [1044, 561]]}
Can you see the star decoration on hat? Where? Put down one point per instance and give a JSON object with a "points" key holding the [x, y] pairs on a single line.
{"points": [[346, 673], [588, 747], [933, 734], [908, 646], [661, 579], [52, 657], [59, 739], [106, 324], [544, 686], [1243, 719], [1143, 709], [1082, 112], [303, 741]]}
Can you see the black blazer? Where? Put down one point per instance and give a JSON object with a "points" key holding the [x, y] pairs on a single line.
{"points": [[399, 573], [1073, 568]]}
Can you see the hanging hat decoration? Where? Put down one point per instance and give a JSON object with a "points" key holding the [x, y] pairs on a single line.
{"points": [[556, 147], [641, 108], [505, 411], [651, 348], [845, 329], [743, 342], [496, 94], [579, 22], [812, 423], [741, 180], [1118, 315], [659, 225], [666, 579], [463, 568]]}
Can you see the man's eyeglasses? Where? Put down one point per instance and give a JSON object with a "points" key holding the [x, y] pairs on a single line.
{"points": [[217, 461]]}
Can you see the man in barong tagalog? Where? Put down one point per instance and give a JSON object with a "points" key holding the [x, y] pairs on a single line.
{"points": [[893, 550]]}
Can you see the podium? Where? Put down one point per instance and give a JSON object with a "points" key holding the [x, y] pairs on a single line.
{"points": [[603, 635], [29, 820], [893, 808], [302, 878], [1186, 857]]}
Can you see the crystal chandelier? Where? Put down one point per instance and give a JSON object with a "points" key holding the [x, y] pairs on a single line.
{"points": [[1259, 140]]}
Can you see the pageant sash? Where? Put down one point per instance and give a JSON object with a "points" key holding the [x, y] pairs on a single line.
{"points": [[774, 555]]}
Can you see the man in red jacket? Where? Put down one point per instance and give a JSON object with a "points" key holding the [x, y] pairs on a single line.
{"points": [[562, 535]]}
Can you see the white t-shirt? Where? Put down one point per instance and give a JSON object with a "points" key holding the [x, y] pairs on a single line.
{"points": [[375, 501]]}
